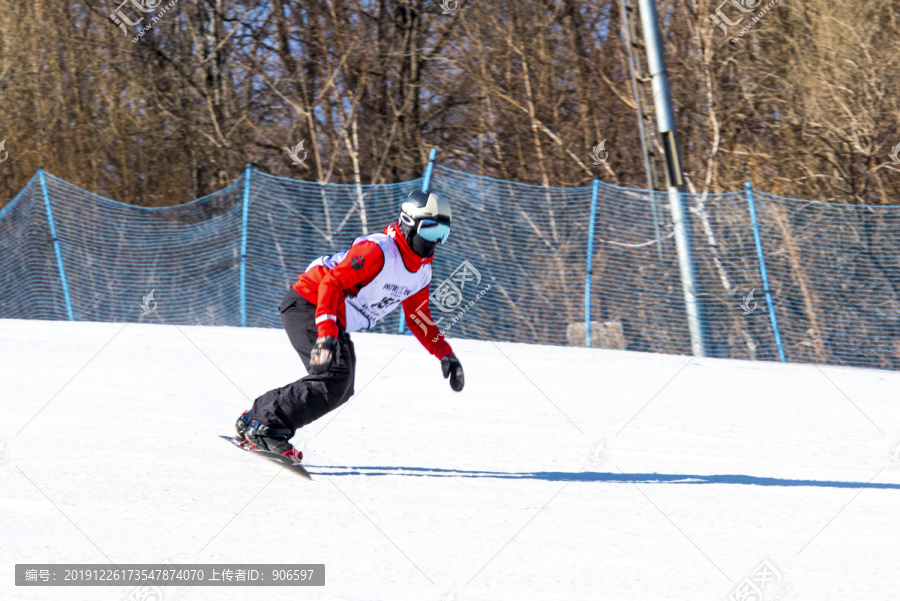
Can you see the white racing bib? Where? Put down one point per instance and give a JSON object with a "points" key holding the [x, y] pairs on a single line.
{"points": [[393, 284]]}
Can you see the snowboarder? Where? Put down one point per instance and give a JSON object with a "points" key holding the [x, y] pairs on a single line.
{"points": [[343, 293]]}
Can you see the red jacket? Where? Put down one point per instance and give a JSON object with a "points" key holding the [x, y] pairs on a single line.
{"points": [[326, 288]]}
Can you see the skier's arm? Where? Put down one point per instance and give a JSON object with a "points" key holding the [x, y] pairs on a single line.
{"points": [[419, 322], [362, 263]]}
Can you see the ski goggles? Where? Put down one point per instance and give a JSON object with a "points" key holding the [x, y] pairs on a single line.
{"points": [[433, 231]]}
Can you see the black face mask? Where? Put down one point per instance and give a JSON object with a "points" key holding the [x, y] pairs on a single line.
{"points": [[420, 245]]}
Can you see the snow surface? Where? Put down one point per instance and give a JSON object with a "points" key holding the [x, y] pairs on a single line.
{"points": [[506, 491]]}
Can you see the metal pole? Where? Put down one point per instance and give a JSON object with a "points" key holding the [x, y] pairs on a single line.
{"points": [[56, 247], [762, 272], [590, 263], [244, 217], [426, 181], [626, 28], [665, 118]]}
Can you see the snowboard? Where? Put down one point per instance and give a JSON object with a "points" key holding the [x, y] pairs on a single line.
{"points": [[285, 462]]}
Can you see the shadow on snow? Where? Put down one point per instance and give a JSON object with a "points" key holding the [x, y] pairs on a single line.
{"points": [[586, 476]]}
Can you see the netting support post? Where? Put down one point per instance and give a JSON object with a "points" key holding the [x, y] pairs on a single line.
{"points": [[426, 181], [56, 248], [245, 215], [762, 271], [665, 123], [595, 187]]}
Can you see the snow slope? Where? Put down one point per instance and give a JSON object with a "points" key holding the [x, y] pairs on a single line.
{"points": [[558, 473]]}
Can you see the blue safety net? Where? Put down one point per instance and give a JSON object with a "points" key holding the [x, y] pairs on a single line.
{"points": [[515, 267]]}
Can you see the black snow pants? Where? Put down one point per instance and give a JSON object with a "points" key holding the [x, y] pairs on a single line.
{"points": [[309, 398]]}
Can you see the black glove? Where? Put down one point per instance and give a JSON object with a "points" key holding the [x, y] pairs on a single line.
{"points": [[323, 355], [452, 368]]}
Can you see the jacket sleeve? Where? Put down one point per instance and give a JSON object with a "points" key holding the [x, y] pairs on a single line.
{"points": [[362, 263], [419, 322]]}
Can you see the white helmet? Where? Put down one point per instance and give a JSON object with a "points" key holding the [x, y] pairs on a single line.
{"points": [[425, 221]]}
